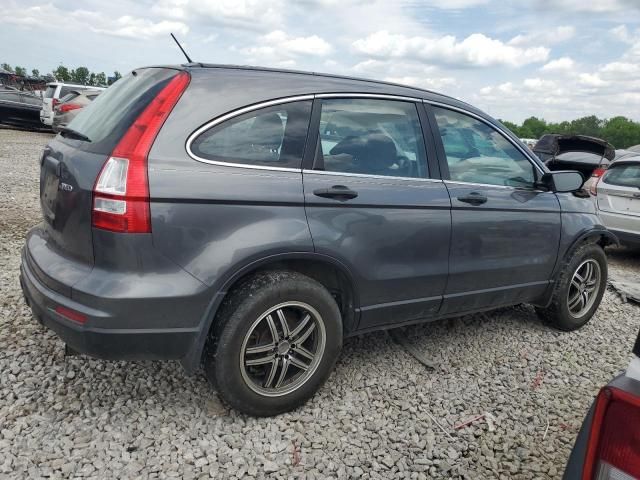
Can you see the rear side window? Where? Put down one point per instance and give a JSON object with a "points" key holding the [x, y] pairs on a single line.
{"points": [[69, 96], [623, 175], [371, 137], [51, 89], [478, 153], [271, 137], [64, 91], [106, 119]]}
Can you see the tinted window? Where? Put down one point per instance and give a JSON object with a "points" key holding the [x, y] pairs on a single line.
{"points": [[272, 136], [623, 175], [69, 96], [373, 137], [106, 119], [477, 153], [50, 91]]}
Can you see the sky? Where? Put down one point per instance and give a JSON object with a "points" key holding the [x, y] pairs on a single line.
{"points": [[555, 59]]}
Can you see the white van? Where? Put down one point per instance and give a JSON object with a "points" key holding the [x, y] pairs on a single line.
{"points": [[55, 91]]}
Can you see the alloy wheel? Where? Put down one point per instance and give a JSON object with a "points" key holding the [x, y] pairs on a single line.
{"points": [[282, 349], [583, 289]]}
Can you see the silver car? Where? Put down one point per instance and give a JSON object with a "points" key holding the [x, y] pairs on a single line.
{"points": [[618, 199], [70, 105]]}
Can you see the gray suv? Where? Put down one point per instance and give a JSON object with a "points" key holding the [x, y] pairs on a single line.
{"points": [[248, 220]]}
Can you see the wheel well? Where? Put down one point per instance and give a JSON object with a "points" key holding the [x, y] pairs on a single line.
{"points": [[331, 277]]}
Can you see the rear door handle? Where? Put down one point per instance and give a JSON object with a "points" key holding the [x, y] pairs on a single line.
{"points": [[474, 198], [339, 192]]}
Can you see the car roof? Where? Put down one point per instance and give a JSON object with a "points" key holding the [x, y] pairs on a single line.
{"points": [[327, 81]]}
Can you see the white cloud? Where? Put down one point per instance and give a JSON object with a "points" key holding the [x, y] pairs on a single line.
{"points": [[245, 14], [594, 6], [538, 84], [545, 37], [475, 50], [429, 83], [591, 80], [279, 48], [455, 4], [563, 64], [622, 68], [124, 26]]}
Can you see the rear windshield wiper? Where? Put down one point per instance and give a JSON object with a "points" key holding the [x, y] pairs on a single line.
{"points": [[71, 133]]}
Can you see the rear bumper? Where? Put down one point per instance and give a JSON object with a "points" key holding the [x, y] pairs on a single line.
{"points": [[121, 324]]}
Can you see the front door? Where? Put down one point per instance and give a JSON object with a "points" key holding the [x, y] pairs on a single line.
{"points": [[505, 231], [372, 205]]}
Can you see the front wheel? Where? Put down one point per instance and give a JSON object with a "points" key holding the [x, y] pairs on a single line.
{"points": [[579, 289], [275, 343]]}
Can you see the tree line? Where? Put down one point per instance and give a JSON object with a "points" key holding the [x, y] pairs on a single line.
{"points": [[79, 75], [621, 132]]}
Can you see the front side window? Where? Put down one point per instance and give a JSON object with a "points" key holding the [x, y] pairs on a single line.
{"points": [[478, 153], [272, 136], [372, 137]]}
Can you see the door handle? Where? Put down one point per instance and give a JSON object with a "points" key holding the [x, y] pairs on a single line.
{"points": [[339, 192], [474, 198]]}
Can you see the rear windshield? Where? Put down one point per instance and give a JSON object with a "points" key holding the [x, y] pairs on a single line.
{"points": [[623, 175], [69, 96], [51, 89], [106, 119]]}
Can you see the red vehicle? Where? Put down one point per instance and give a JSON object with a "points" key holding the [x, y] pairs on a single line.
{"points": [[608, 445]]}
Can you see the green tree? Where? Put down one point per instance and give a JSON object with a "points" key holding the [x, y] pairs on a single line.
{"points": [[621, 132], [92, 79], [590, 125], [7, 67], [80, 75], [536, 126], [20, 71], [62, 74], [35, 72], [101, 79], [116, 76]]}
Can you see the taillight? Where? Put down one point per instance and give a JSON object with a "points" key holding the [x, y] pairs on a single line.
{"points": [[54, 102], [598, 172], [121, 192], [72, 315], [67, 107], [613, 451]]}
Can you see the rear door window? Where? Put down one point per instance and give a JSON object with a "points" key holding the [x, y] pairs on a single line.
{"points": [[269, 137], [478, 153], [51, 90], [371, 137], [623, 175]]}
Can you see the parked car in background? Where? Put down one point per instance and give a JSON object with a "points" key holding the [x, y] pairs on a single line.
{"points": [[635, 148], [52, 96], [588, 155], [607, 446], [19, 108], [618, 199], [70, 105], [246, 220]]}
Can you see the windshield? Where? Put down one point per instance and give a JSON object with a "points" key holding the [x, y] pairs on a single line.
{"points": [[106, 119]]}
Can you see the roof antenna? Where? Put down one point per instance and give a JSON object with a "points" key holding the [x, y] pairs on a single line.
{"points": [[180, 47]]}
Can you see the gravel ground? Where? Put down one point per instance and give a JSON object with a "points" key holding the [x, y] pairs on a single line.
{"points": [[382, 414]]}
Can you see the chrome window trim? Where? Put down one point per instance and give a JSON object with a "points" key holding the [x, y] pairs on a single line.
{"points": [[379, 96], [365, 175], [235, 113], [508, 187], [490, 125]]}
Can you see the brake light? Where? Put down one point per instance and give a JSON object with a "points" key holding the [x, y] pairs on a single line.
{"points": [[121, 192], [613, 451], [54, 103], [598, 172], [67, 107]]}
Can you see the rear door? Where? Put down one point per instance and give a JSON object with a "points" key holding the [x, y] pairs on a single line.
{"points": [[505, 232], [373, 203], [70, 165], [619, 197]]}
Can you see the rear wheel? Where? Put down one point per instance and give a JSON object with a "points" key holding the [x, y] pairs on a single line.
{"points": [[275, 342], [579, 289]]}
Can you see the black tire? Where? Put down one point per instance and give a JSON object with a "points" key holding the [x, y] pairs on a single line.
{"points": [[558, 314], [237, 318]]}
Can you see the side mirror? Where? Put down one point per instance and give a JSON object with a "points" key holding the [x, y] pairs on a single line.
{"points": [[562, 181]]}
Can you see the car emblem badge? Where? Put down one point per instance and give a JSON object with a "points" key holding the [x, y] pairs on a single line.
{"points": [[65, 187]]}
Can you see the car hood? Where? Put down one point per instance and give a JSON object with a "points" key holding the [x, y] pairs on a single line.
{"points": [[551, 145]]}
